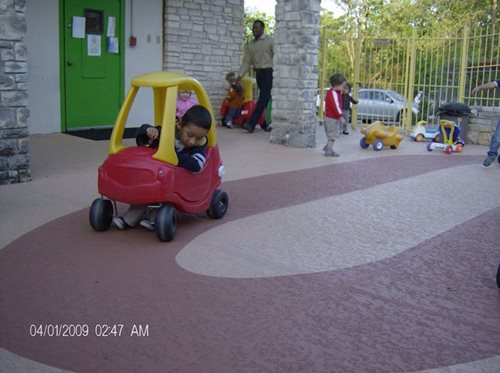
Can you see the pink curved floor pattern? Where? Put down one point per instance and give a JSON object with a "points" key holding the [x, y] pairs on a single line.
{"points": [[433, 305]]}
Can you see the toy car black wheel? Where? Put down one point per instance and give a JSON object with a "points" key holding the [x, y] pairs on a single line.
{"points": [[101, 214], [218, 205], [166, 223], [394, 147], [363, 143], [498, 159], [429, 146], [378, 145]]}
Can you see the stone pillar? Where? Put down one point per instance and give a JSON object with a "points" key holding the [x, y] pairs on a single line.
{"points": [[482, 126], [14, 135], [203, 39], [295, 80]]}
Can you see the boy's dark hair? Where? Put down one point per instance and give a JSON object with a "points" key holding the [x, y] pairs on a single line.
{"points": [[230, 76], [197, 115], [337, 79], [238, 87], [348, 86]]}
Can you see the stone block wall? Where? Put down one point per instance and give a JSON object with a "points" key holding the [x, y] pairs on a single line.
{"points": [[204, 40], [482, 126], [14, 135]]}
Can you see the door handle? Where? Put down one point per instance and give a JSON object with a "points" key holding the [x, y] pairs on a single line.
{"points": [[69, 63]]}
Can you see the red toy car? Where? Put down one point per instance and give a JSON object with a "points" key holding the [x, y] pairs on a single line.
{"points": [[147, 176], [247, 108]]}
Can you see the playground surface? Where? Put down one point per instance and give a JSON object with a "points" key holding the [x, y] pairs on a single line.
{"points": [[373, 261]]}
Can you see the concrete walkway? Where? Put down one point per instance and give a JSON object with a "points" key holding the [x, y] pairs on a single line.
{"points": [[373, 261]]}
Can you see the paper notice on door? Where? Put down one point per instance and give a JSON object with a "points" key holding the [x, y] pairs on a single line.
{"points": [[112, 45], [94, 45], [78, 27], [111, 27]]}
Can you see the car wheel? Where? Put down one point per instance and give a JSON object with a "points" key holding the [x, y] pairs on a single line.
{"points": [[399, 116], [419, 137], [394, 147], [101, 214], [166, 223], [498, 159], [378, 145], [429, 146], [437, 138], [448, 149], [218, 205], [363, 143], [460, 147]]}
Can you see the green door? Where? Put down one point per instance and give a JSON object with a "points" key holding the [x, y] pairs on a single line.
{"points": [[92, 62]]}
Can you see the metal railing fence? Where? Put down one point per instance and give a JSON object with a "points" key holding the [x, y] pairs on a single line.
{"points": [[403, 80]]}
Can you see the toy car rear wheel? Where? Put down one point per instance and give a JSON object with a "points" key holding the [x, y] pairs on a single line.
{"points": [[419, 137], [363, 143], [218, 205], [448, 149], [429, 146], [394, 147], [166, 223], [460, 147], [378, 145], [101, 214]]}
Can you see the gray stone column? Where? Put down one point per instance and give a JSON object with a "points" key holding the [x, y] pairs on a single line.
{"points": [[14, 135], [295, 77]]}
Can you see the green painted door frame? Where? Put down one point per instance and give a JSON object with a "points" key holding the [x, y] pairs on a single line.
{"points": [[92, 74]]}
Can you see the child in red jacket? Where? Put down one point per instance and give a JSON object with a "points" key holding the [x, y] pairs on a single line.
{"points": [[334, 118]]}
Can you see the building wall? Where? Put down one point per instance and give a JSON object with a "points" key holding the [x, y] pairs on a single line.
{"points": [[204, 40], [14, 134], [42, 39]]}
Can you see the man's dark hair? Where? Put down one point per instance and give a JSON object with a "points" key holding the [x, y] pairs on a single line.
{"points": [[197, 115], [260, 22]]}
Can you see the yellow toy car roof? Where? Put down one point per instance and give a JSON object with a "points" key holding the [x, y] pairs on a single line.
{"points": [[165, 85]]}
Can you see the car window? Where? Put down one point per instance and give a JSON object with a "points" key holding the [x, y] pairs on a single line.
{"points": [[364, 95], [397, 96], [379, 96]]}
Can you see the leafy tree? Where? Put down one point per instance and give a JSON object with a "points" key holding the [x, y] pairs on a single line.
{"points": [[252, 15]]}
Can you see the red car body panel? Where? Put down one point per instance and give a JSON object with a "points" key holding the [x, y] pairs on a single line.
{"points": [[133, 176]]}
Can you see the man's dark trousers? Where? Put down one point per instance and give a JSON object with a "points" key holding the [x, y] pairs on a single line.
{"points": [[264, 79]]}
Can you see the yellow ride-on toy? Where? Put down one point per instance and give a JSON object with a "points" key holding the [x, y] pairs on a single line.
{"points": [[380, 135]]}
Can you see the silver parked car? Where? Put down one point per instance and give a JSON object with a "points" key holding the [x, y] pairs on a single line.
{"points": [[381, 104]]}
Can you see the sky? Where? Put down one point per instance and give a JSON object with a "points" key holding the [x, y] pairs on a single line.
{"points": [[267, 6]]}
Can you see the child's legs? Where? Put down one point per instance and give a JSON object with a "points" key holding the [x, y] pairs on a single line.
{"points": [[231, 114], [345, 126], [134, 214], [332, 131]]}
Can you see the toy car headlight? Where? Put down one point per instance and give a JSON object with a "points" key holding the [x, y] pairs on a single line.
{"points": [[221, 171]]}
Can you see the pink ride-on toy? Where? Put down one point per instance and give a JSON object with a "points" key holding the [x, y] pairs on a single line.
{"points": [[146, 176]]}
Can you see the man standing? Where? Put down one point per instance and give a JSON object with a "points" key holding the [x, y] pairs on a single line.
{"points": [[259, 54], [495, 138]]}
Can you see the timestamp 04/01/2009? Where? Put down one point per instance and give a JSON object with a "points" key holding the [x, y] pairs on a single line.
{"points": [[86, 330]]}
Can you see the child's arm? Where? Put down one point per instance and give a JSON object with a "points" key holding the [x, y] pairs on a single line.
{"points": [[193, 159], [354, 102], [147, 135]]}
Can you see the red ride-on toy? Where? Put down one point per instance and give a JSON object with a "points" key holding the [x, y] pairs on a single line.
{"points": [[139, 175], [248, 106]]}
